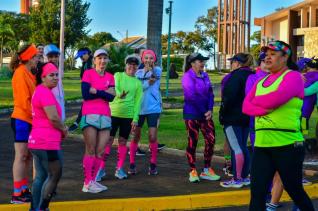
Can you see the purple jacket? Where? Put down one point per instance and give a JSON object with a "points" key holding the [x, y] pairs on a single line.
{"points": [[309, 101], [198, 95]]}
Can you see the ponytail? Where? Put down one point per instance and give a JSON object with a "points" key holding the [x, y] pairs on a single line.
{"points": [[15, 59], [249, 60], [186, 64]]}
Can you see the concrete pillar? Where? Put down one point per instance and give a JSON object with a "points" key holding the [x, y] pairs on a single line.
{"points": [[312, 16], [303, 18]]}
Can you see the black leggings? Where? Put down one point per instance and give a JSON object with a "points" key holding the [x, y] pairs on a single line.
{"points": [[288, 161], [48, 167]]}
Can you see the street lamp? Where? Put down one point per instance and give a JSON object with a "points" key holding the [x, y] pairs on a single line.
{"points": [[168, 11]]}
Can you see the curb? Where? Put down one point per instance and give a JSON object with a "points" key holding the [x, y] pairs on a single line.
{"points": [[195, 201]]}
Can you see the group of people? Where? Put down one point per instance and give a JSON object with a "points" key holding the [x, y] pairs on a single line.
{"points": [[264, 104]]}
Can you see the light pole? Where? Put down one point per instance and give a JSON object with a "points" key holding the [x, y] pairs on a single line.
{"points": [[168, 11]]}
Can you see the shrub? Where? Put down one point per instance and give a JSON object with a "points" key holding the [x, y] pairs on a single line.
{"points": [[5, 72], [178, 61]]}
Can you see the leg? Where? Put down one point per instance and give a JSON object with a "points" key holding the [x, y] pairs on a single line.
{"points": [[54, 175], [153, 122], [289, 163], [277, 189], [102, 141], [90, 139], [135, 140], [227, 156], [234, 136], [262, 173], [124, 131], [192, 127], [246, 153], [41, 167], [208, 132]]}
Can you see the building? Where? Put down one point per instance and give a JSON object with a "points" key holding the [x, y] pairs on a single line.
{"points": [[26, 4], [133, 42], [233, 29], [296, 25]]}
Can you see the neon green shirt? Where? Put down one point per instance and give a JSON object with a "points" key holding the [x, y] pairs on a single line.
{"points": [[129, 106]]}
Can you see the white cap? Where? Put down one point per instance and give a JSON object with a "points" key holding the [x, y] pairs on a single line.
{"points": [[99, 52]]}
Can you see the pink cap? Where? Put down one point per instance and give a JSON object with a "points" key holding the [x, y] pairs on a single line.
{"points": [[148, 52], [48, 68]]}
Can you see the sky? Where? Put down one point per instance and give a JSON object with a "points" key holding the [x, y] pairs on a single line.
{"points": [[118, 16]]}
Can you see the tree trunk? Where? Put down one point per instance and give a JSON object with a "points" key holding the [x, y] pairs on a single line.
{"points": [[1, 52], [154, 27]]}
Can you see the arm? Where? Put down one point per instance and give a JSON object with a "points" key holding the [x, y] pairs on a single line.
{"points": [[312, 89], [21, 92], [211, 97], [188, 89], [249, 108], [231, 91], [54, 118], [117, 82], [99, 93], [137, 105], [291, 86]]}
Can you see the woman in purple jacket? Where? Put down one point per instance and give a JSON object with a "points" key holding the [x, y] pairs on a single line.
{"points": [[197, 114]]}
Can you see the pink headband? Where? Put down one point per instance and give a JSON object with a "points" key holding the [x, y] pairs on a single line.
{"points": [[148, 52], [48, 68]]}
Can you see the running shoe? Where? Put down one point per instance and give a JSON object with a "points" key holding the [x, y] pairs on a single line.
{"points": [[120, 174], [100, 185], [233, 183], [193, 176], [271, 207], [132, 169], [246, 181], [139, 152], [92, 187], [161, 146], [228, 171], [209, 174], [100, 175], [20, 199], [153, 169], [27, 194], [73, 127], [306, 182]]}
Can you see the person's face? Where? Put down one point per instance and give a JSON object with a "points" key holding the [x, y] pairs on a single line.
{"points": [[234, 65], [85, 57], [275, 60], [51, 80], [198, 65], [33, 62], [263, 65], [149, 60], [101, 61], [131, 68], [54, 58], [40, 50]]}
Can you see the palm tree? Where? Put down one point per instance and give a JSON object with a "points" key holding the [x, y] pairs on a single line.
{"points": [[154, 27], [6, 33]]}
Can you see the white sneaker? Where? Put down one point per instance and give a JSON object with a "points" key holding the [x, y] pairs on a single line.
{"points": [[100, 185], [91, 187]]}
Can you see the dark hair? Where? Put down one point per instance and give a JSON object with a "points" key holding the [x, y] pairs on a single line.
{"points": [[40, 44], [313, 64], [137, 50], [86, 49], [15, 59], [40, 71], [186, 64]]}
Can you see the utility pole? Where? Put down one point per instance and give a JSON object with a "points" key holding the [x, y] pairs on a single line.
{"points": [[168, 11], [61, 60]]}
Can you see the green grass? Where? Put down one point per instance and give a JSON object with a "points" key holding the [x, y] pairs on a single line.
{"points": [[72, 86]]}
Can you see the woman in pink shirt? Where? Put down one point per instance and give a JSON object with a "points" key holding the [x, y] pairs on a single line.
{"points": [[47, 132], [97, 91]]}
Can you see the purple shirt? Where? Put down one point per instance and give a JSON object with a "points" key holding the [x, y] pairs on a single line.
{"points": [[198, 95], [309, 101]]}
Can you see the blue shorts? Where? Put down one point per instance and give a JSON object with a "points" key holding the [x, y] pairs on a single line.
{"points": [[152, 120], [21, 130]]}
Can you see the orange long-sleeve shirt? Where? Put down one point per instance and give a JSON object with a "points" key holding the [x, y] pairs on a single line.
{"points": [[23, 86]]}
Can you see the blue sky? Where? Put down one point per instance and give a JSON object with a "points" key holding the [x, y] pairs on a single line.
{"points": [[117, 16]]}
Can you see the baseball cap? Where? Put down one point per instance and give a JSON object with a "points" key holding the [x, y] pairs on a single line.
{"points": [[197, 56], [278, 46], [302, 63], [99, 52], [132, 59], [81, 52], [240, 57], [51, 49]]}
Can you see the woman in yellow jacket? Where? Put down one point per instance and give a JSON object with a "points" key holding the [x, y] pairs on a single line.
{"points": [[23, 63]]}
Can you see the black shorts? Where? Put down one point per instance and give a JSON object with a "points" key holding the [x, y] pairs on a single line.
{"points": [[21, 130], [152, 120], [124, 125]]}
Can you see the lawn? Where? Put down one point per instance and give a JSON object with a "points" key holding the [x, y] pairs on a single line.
{"points": [[72, 86]]}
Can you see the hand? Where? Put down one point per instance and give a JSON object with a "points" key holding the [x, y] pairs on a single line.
{"points": [[111, 90], [123, 95], [133, 126], [208, 115], [92, 90], [148, 66], [64, 132]]}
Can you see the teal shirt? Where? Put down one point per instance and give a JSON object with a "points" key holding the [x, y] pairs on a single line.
{"points": [[311, 90], [128, 107]]}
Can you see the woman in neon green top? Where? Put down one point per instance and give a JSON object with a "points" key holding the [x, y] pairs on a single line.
{"points": [[125, 113], [276, 102]]}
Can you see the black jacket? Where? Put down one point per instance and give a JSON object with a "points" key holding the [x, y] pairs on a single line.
{"points": [[86, 65], [232, 99]]}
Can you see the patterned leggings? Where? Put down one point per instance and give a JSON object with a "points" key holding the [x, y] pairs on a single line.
{"points": [[208, 132]]}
